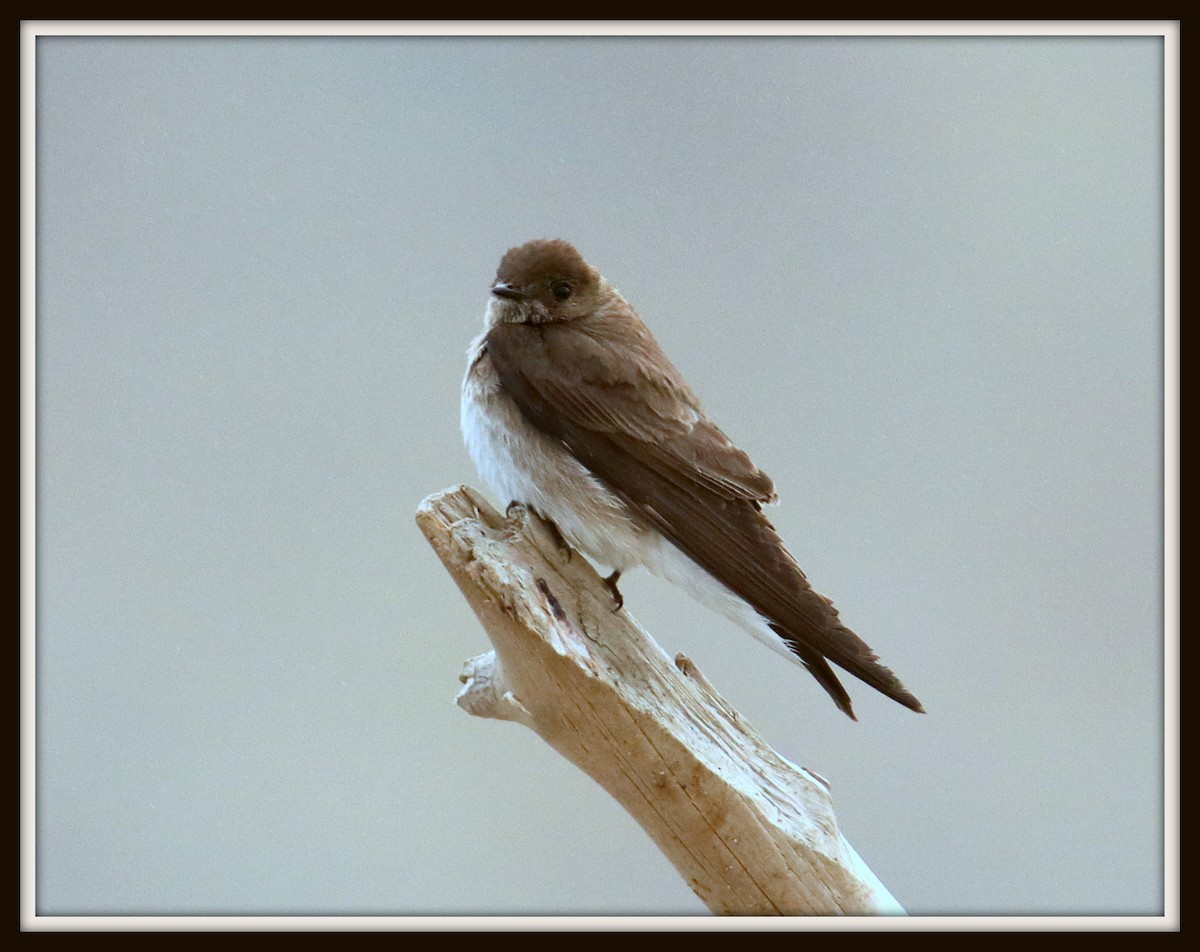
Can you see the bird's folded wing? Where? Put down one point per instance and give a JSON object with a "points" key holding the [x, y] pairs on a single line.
{"points": [[638, 427]]}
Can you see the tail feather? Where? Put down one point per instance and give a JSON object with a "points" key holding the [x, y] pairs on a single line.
{"points": [[865, 667], [819, 668]]}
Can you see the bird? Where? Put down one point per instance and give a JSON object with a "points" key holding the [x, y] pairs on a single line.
{"points": [[571, 407]]}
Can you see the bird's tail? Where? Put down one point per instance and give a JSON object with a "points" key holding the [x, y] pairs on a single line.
{"points": [[856, 658]]}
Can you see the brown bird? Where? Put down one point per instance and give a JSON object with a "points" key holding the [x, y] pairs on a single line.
{"points": [[570, 406]]}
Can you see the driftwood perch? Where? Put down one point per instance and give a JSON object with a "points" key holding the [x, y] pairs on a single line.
{"points": [[752, 833]]}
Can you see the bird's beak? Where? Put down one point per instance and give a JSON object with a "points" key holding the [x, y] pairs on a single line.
{"points": [[503, 290]]}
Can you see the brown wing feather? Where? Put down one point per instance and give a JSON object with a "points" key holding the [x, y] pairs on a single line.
{"points": [[643, 399], [638, 427]]}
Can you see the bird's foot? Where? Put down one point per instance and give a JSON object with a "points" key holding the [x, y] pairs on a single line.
{"points": [[560, 540], [611, 584]]}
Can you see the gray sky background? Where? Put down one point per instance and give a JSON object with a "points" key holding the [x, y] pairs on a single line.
{"points": [[918, 280]]}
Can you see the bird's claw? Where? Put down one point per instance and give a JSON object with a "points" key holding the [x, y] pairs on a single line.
{"points": [[560, 540], [611, 584]]}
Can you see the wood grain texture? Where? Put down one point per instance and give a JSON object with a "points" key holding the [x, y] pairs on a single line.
{"points": [[751, 833]]}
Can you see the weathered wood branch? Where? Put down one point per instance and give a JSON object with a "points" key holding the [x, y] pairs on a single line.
{"points": [[752, 833]]}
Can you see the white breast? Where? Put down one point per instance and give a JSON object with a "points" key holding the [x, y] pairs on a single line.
{"points": [[522, 464]]}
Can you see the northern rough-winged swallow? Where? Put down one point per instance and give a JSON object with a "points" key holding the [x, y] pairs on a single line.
{"points": [[570, 406]]}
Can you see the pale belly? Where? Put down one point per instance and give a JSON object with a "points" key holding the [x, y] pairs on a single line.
{"points": [[523, 465]]}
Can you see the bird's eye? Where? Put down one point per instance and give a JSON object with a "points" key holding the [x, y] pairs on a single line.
{"points": [[561, 290]]}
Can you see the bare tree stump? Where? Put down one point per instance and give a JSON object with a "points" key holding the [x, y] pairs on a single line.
{"points": [[752, 833]]}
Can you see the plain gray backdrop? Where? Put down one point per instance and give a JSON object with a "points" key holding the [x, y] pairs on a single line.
{"points": [[919, 280]]}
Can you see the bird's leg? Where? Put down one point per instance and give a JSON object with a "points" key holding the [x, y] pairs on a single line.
{"points": [[611, 583], [563, 545]]}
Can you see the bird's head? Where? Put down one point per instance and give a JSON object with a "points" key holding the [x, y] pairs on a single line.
{"points": [[544, 281]]}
